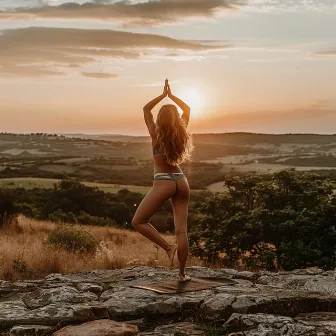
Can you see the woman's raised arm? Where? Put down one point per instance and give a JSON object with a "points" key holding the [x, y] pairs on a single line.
{"points": [[183, 106], [147, 109]]}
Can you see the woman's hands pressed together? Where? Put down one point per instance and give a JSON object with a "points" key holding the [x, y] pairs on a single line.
{"points": [[166, 92], [166, 89]]}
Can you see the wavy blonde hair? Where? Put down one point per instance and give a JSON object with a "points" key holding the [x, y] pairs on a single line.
{"points": [[173, 136]]}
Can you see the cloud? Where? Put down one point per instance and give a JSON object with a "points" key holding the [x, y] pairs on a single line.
{"points": [[289, 5], [322, 55], [49, 47], [129, 13], [100, 75], [28, 71], [325, 53], [266, 60]]}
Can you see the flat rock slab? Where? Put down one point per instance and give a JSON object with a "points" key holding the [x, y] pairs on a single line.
{"points": [[43, 297], [59, 300], [194, 284], [99, 328]]}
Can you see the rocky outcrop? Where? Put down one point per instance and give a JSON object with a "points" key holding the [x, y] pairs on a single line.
{"points": [[265, 325], [288, 303], [99, 328]]}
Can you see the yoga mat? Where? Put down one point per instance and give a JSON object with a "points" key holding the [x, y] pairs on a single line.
{"points": [[195, 284]]}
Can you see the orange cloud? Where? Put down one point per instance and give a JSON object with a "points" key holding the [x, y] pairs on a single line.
{"points": [[101, 75], [49, 47], [325, 53], [152, 12]]}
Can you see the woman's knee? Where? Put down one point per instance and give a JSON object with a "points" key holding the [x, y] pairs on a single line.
{"points": [[136, 222]]}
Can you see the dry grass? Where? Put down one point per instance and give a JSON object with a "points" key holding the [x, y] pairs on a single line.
{"points": [[24, 252]]}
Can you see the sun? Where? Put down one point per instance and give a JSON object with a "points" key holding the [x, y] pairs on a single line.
{"points": [[194, 98]]}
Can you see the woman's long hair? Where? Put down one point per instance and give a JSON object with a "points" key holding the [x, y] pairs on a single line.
{"points": [[173, 136]]}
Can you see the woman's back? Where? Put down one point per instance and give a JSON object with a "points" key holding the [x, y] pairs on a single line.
{"points": [[160, 160]]}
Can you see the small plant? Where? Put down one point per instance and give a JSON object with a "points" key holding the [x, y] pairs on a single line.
{"points": [[17, 269], [19, 265], [72, 239], [59, 216]]}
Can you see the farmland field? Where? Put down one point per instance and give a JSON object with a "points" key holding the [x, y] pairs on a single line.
{"points": [[112, 162]]}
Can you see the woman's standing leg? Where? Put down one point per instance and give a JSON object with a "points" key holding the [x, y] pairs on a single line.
{"points": [[180, 203]]}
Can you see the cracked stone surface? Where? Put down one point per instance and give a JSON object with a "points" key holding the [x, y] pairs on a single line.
{"points": [[301, 302], [99, 328], [182, 328], [269, 325]]}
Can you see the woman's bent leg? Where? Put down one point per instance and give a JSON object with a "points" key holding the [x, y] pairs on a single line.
{"points": [[155, 198]]}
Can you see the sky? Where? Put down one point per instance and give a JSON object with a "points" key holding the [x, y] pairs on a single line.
{"points": [[266, 66]]}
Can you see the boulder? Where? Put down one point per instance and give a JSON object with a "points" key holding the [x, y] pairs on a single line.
{"points": [[30, 330], [99, 328]]}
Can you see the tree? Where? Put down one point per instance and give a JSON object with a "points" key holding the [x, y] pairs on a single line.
{"points": [[8, 211], [285, 220]]}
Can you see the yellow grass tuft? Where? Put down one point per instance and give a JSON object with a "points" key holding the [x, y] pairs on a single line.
{"points": [[24, 252]]}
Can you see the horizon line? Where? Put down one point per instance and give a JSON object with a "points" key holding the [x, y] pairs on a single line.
{"points": [[129, 135]]}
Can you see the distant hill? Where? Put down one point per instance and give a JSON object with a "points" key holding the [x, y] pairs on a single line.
{"points": [[230, 138], [110, 137], [254, 138]]}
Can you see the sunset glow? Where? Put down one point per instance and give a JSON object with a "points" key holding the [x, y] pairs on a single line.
{"points": [[194, 98], [250, 66]]}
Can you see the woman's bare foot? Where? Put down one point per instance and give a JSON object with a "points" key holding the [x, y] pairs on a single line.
{"points": [[171, 254], [184, 278]]}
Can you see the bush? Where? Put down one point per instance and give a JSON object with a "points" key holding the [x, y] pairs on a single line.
{"points": [[85, 218], [8, 210], [59, 216], [286, 221], [72, 239]]}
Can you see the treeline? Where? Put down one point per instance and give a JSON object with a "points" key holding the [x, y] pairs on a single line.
{"points": [[199, 174], [210, 151], [281, 221], [318, 161], [233, 137], [71, 201], [286, 220]]}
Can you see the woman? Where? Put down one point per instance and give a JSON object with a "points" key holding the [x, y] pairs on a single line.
{"points": [[171, 145]]}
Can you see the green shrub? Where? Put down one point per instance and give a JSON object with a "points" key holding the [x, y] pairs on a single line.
{"points": [[282, 221], [85, 218], [72, 239], [59, 216], [8, 209]]}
